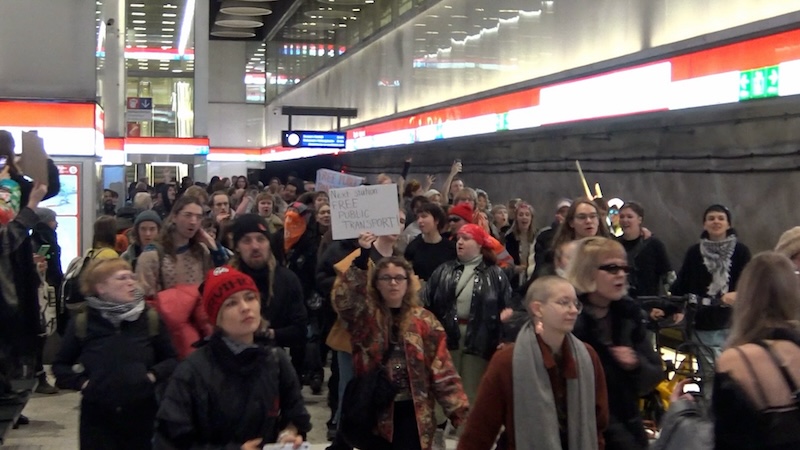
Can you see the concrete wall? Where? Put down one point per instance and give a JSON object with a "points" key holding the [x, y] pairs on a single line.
{"points": [[675, 164], [232, 122], [48, 49]]}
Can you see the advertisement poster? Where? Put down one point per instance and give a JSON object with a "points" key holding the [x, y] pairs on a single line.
{"points": [[66, 205]]}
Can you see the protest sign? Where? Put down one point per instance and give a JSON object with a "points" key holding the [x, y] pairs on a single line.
{"points": [[330, 179], [364, 208], [33, 161]]}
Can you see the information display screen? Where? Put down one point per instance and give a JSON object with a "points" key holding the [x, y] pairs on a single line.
{"points": [[313, 139]]}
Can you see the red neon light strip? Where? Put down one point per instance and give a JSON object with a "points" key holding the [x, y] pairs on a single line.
{"points": [[753, 54], [49, 115]]}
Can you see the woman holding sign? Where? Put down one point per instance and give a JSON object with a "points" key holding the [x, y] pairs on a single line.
{"points": [[388, 326]]}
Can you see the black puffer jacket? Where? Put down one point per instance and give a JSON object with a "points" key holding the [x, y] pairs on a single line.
{"points": [[218, 399], [491, 294], [114, 360]]}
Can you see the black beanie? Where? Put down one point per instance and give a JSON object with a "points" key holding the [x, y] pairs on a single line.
{"points": [[248, 223]]}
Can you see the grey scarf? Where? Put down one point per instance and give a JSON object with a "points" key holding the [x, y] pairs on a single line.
{"points": [[115, 312], [236, 347], [717, 259], [535, 417]]}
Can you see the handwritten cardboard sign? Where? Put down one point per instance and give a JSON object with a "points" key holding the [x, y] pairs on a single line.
{"points": [[330, 179], [364, 208], [33, 161]]}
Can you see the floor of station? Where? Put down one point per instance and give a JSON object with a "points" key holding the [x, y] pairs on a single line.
{"points": [[54, 422]]}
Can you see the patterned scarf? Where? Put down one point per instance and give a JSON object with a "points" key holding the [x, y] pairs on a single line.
{"points": [[717, 259], [116, 312]]}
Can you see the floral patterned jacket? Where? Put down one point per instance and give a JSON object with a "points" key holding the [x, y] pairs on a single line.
{"points": [[432, 375]]}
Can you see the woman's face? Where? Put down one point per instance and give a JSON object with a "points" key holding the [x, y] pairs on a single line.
{"points": [[467, 248], [483, 203], [630, 222], [241, 183], [611, 278], [586, 221], [240, 314], [171, 193], [322, 199], [120, 287], [500, 217], [324, 215], [426, 222], [524, 218], [392, 283], [265, 208], [717, 225]]}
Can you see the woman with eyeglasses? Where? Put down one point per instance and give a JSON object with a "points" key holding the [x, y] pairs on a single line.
{"points": [[583, 219], [614, 326], [115, 352], [383, 313], [711, 268]]}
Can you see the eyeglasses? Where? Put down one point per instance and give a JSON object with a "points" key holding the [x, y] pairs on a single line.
{"points": [[388, 278], [566, 304], [614, 268], [585, 217], [455, 219]]}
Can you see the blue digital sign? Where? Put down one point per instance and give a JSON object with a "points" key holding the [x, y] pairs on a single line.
{"points": [[313, 139]]}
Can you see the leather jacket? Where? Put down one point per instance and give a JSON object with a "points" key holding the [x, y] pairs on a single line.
{"points": [[491, 294]]}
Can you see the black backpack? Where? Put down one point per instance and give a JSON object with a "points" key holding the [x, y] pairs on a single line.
{"points": [[71, 296]]}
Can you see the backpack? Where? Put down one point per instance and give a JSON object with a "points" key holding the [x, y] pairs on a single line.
{"points": [[71, 296], [82, 323]]}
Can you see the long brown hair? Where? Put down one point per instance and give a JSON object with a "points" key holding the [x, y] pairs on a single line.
{"points": [[165, 236], [565, 231], [410, 300], [767, 297]]}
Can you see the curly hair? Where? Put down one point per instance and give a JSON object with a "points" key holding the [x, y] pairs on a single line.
{"points": [[410, 299]]}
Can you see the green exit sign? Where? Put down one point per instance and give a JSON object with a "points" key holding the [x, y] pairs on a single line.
{"points": [[759, 83]]}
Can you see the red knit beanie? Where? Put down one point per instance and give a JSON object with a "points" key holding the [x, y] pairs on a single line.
{"points": [[220, 284], [463, 210]]}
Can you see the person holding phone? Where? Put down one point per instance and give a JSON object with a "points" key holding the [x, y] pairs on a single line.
{"points": [[45, 242]]}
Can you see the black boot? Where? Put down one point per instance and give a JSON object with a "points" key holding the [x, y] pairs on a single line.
{"points": [[44, 387]]}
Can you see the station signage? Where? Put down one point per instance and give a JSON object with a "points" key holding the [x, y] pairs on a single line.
{"points": [[314, 139]]}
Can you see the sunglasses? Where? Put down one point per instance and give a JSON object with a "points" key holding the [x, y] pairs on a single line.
{"points": [[455, 219], [614, 268]]}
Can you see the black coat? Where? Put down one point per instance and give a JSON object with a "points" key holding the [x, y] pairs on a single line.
{"points": [[286, 310], [650, 263], [20, 321], [44, 235], [694, 278], [326, 273], [114, 360], [19, 316], [491, 294], [217, 399], [624, 386]]}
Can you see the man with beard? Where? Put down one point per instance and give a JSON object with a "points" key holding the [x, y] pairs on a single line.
{"points": [[281, 293]]}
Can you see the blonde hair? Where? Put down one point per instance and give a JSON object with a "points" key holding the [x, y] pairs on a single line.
{"points": [[542, 289], [142, 201], [587, 257], [767, 297], [98, 271]]}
